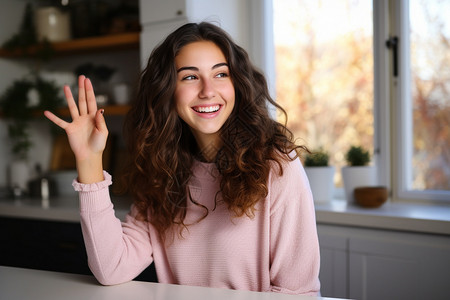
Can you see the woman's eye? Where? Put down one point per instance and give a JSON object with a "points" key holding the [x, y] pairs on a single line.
{"points": [[221, 75], [189, 77]]}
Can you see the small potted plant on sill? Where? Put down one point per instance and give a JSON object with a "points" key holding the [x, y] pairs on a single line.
{"points": [[320, 176], [358, 172]]}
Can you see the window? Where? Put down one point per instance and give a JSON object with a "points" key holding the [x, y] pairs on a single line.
{"points": [[423, 91], [341, 85], [324, 73]]}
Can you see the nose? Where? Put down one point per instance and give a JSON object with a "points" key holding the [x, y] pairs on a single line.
{"points": [[207, 90]]}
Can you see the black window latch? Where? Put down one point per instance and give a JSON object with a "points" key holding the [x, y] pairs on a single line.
{"points": [[392, 43]]}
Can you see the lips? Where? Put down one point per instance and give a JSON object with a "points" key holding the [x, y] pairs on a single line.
{"points": [[207, 109]]}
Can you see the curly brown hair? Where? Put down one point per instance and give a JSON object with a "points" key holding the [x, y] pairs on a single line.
{"points": [[163, 148]]}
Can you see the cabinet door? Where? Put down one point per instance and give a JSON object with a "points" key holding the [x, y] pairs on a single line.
{"points": [[48, 245], [152, 11], [43, 245], [390, 265], [333, 265]]}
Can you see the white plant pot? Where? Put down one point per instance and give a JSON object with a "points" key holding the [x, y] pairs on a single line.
{"points": [[52, 24], [321, 183], [357, 176], [121, 93], [19, 172]]}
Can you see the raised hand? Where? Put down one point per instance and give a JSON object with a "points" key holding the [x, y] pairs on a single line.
{"points": [[87, 133]]}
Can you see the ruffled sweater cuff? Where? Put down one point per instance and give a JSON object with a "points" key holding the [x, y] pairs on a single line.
{"points": [[94, 196], [92, 187]]}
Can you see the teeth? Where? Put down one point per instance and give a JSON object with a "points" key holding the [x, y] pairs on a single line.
{"points": [[207, 109]]}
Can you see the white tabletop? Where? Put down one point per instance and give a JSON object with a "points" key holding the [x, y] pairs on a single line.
{"points": [[17, 283]]}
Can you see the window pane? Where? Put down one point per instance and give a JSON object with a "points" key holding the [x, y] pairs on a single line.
{"points": [[324, 68], [430, 76]]}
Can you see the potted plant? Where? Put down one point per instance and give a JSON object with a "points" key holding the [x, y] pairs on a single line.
{"points": [[17, 104], [358, 172], [320, 175]]}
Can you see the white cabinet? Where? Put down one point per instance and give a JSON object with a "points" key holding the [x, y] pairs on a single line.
{"points": [[371, 264], [152, 35], [158, 11], [334, 265]]}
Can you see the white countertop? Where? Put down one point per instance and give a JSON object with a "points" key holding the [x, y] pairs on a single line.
{"points": [[390, 216], [19, 284], [63, 208]]}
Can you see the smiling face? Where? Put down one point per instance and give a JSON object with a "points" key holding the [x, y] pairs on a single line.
{"points": [[204, 93]]}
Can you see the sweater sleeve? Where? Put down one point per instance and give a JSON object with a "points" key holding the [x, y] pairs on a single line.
{"points": [[117, 251], [294, 246]]}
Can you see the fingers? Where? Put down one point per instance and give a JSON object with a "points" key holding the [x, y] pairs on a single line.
{"points": [[86, 103], [82, 105], [61, 123], [90, 96], [71, 102]]}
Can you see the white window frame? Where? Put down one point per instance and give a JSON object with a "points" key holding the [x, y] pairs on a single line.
{"points": [[393, 135], [382, 96], [402, 108]]}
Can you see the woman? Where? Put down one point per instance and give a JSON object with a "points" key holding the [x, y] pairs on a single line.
{"points": [[220, 196]]}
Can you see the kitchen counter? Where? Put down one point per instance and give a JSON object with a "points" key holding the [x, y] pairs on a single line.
{"points": [[64, 209], [434, 219], [17, 283]]}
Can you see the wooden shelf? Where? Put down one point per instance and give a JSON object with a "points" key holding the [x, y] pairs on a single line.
{"points": [[106, 43], [114, 42], [110, 110]]}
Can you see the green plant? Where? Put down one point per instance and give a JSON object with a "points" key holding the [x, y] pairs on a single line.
{"points": [[357, 156], [17, 105], [317, 158]]}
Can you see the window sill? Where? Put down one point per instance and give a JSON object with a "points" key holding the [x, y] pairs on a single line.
{"points": [[423, 218]]}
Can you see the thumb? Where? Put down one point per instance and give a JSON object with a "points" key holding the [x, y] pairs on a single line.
{"points": [[100, 121]]}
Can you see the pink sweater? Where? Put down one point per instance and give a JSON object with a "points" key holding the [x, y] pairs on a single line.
{"points": [[275, 251]]}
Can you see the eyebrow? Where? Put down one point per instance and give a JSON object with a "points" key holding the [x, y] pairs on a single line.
{"points": [[196, 69]]}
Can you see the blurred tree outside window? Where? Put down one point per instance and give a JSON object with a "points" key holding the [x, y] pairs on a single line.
{"points": [[430, 90], [324, 73]]}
